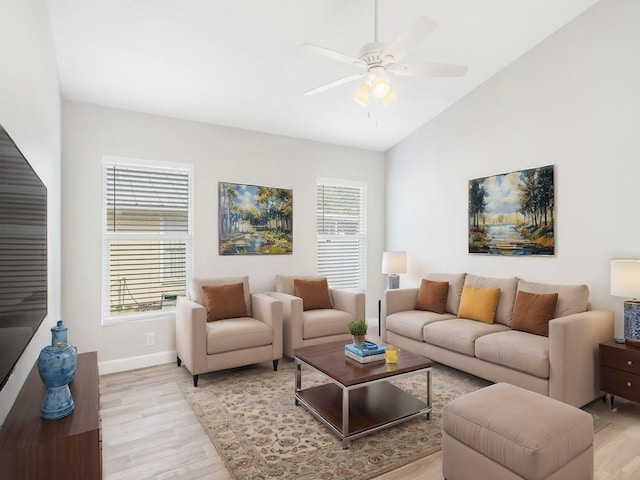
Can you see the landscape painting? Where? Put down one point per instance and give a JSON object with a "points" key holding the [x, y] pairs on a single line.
{"points": [[513, 213], [254, 220]]}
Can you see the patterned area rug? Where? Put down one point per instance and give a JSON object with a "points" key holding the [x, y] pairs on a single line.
{"points": [[250, 416]]}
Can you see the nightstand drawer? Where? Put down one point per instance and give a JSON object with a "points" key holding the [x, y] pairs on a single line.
{"points": [[621, 359], [617, 382]]}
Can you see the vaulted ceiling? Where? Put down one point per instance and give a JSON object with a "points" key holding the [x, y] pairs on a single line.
{"points": [[239, 63]]}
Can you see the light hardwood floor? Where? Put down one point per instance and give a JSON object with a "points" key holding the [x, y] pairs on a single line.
{"points": [[150, 432]]}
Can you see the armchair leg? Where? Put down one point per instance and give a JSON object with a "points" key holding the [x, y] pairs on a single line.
{"points": [[178, 361], [195, 380], [275, 365]]}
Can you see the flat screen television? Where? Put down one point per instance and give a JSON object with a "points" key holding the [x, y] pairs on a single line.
{"points": [[23, 254]]}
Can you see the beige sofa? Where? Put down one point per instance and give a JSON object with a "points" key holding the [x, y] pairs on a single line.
{"points": [[562, 366]]}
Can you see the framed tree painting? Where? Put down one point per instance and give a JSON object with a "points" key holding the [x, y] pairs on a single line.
{"points": [[254, 220], [513, 213]]}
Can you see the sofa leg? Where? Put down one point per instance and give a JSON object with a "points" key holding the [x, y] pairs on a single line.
{"points": [[178, 361], [275, 365], [195, 380]]}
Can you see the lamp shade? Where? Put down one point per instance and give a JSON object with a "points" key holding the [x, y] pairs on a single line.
{"points": [[394, 262], [625, 278]]}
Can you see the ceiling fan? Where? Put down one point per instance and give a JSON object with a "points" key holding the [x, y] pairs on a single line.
{"points": [[378, 59]]}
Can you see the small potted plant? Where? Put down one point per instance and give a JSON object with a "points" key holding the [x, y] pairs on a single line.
{"points": [[358, 329]]}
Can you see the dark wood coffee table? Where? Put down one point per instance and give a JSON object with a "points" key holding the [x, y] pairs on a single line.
{"points": [[359, 398]]}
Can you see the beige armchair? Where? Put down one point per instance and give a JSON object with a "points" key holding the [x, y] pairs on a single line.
{"points": [[303, 326], [243, 328]]}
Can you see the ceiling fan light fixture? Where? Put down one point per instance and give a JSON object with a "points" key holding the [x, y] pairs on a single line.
{"points": [[390, 97], [361, 96], [380, 85]]}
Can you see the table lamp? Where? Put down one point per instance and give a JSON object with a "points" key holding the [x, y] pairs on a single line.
{"points": [[394, 263], [625, 282]]}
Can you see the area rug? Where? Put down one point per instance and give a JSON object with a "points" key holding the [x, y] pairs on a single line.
{"points": [[250, 417]]}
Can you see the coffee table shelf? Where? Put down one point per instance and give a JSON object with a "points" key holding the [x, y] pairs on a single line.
{"points": [[375, 406]]}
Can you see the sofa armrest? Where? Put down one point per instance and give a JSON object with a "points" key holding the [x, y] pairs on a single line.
{"points": [[191, 335], [573, 355], [268, 309], [348, 301], [394, 301], [291, 321]]}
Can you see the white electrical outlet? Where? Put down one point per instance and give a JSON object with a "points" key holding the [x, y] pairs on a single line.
{"points": [[151, 339]]}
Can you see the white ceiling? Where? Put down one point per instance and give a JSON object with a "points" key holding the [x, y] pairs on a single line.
{"points": [[239, 63]]}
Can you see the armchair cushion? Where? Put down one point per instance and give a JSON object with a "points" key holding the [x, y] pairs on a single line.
{"points": [[224, 301], [324, 323], [314, 293], [237, 334], [432, 296]]}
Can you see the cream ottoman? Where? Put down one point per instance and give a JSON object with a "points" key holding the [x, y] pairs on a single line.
{"points": [[504, 432]]}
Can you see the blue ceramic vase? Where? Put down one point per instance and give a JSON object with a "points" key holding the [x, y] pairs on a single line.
{"points": [[57, 365]]}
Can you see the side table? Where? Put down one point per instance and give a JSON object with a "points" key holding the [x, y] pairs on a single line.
{"points": [[620, 371]]}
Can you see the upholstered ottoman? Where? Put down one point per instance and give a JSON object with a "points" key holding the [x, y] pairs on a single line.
{"points": [[503, 432]]}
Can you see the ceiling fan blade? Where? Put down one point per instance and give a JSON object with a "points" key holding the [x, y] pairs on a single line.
{"points": [[428, 70], [409, 38], [332, 54], [336, 83]]}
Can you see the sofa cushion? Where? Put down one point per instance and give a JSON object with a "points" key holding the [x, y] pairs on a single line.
{"points": [[410, 323], [236, 334], [432, 296], [459, 334], [518, 350], [571, 298], [198, 297], [314, 293], [507, 299], [323, 323], [479, 303], [533, 311], [456, 281], [224, 301]]}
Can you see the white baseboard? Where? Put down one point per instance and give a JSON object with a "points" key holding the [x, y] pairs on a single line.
{"points": [[131, 363]]}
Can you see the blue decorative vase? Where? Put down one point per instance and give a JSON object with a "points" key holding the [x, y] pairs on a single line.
{"points": [[57, 365]]}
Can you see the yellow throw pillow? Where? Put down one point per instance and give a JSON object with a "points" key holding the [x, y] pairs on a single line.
{"points": [[479, 303], [314, 293], [224, 301]]}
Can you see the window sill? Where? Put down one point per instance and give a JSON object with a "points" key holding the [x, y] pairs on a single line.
{"points": [[165, 314]]}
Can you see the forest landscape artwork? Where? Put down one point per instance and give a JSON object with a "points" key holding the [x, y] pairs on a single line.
{"points": [[513, 213], [254, 220]]}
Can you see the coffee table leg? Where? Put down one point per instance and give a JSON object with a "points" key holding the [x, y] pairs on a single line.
{"points": [[429, 394], [298, 380], [345, 417]]}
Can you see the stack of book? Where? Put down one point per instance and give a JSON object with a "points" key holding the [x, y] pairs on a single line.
{"points": [[369, 352]]}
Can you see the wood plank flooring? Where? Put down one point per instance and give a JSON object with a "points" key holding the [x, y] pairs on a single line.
{"points": [[150, 432]]}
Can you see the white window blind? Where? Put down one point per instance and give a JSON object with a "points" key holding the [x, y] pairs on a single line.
{"points": [[342, 233], [147, 245]]}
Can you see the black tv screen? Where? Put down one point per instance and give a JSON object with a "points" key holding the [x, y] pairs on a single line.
{"points": [[23, 254]]}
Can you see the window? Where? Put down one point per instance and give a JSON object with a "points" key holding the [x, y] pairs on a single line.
{"points": [[342, 233], [147, 241]]}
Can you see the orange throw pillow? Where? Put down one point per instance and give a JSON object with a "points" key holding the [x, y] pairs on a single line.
{"points": [[432, 296], [224, 301], [533, 311], [314, 293]]}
